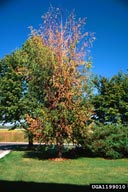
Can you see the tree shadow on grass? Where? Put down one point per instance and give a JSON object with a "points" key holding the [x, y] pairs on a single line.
{"points": [[43, 154], [20, 186], [18, 147]]}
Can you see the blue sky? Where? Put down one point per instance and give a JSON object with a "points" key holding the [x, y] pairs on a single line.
{"points": [[107, 18]]}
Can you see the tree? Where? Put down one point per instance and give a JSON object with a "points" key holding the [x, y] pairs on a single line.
{"points": [[58, 51], [22, 76], [12, 89], [111, 102]]}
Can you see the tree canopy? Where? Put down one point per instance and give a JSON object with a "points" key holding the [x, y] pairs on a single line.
{"points": [[111, 101], [12, 89]]}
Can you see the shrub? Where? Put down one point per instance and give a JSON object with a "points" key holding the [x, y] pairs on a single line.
{"points": [[109, 141]]}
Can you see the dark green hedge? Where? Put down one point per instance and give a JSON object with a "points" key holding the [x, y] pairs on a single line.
{"points": [[109, 141]]}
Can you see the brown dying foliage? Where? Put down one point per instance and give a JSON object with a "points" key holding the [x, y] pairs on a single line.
{"points": [[69, 44]]}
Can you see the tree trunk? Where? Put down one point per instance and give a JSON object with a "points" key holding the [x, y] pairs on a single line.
{"points": [[60, 147], [30, 141]]}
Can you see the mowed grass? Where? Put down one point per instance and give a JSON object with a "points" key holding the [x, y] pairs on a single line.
{"points": [[17, 166], [12, 136]]}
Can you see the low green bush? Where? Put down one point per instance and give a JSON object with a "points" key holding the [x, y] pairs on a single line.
{"points": [[109, 141]]}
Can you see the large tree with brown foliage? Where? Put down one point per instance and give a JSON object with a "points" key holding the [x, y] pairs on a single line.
{"points": [[60, 49]]}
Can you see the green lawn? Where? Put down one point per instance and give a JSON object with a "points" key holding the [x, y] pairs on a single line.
{"points": [[17, 166]]}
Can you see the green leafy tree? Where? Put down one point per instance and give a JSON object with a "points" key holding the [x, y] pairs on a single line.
{"points": [[24, 76], [12, 89], [111, 101]]}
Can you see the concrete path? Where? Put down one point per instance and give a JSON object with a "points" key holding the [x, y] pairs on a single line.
{"points": [[7, 147], [4, 152]]}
